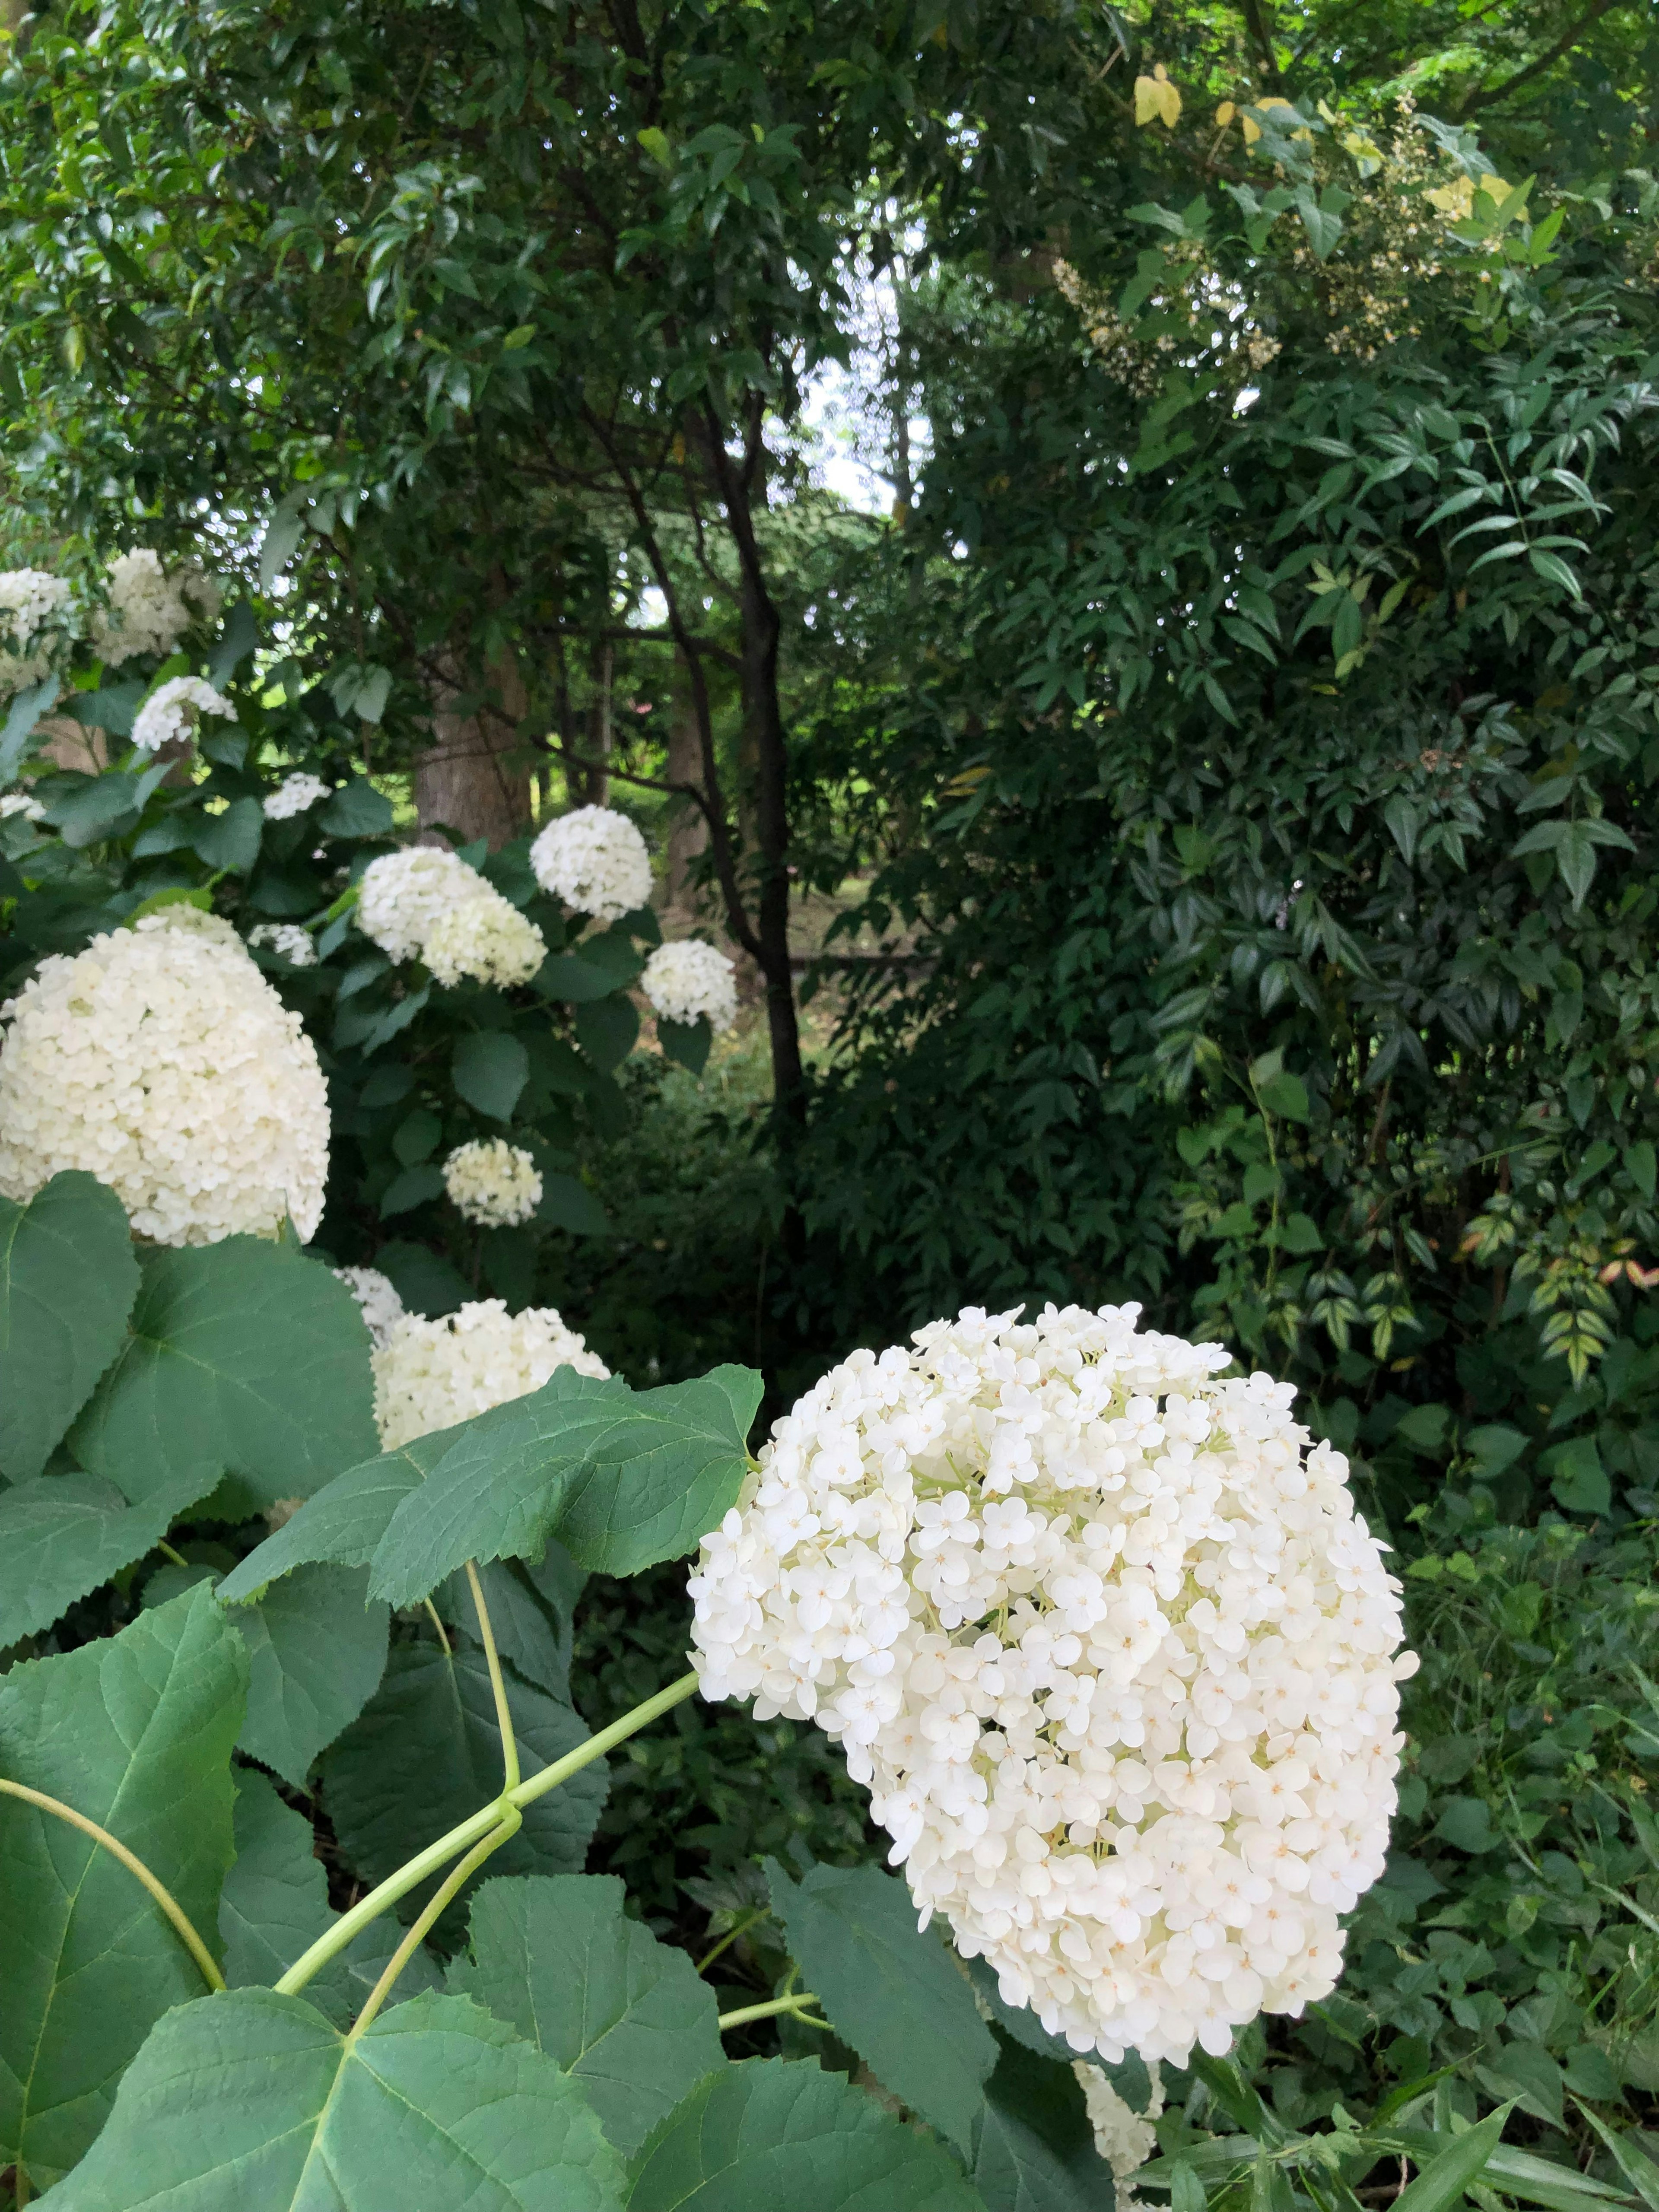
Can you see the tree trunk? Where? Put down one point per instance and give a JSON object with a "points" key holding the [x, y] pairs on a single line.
{"points": [[763, 718], [688, 829], [596, 735], [472, 781]]}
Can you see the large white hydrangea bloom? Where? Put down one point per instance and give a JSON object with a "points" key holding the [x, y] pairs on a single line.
{"points": [[595, 860], [377, 1295], [430, 1374], [1108, 1642], [689, 981], [165, 715], [162, 1062], [149, 610], [493, 1182], [294, 794], [483, 940], [29, 598], [403, 894]]}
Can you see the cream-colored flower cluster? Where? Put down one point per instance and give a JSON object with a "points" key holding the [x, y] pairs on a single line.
{"points": [[16, 803], [288, 941], [166, 715], [425, 904], [595, 860], [377, 1295], [162, 1062], [1108, 1642], [493, 1182], [149, 610], [688, 981], [30, 600], [294, 794], [431, 1374]]}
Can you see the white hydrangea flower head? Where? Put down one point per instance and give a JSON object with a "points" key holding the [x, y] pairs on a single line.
{"points": [[149, 610], [689, 981], [431, 1374], [166, 715], [493, 1182], [403, 894], [483, 940], [288, 941], [377, 1295], [1125, 2139], [21, 802], [162, 1062], [595, 860], [1107, 1641], [192, 921], [29, 598], [294, 794]]}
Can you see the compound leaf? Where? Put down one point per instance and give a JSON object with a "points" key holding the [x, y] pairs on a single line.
{"points": [[67, 1282]]}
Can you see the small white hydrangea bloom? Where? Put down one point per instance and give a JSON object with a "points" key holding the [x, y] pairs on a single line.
{"points": [[1109, 1646], [1124, 2138], [493, 1182], [595, 860], [288, 941], [20, 802], [403, 894], [165, 713], [29, 598], [149, 610], [689, 982], [483, 940], [193, 921], [377, 1296], [294, 794], [431, 1374], [162, 1062]]}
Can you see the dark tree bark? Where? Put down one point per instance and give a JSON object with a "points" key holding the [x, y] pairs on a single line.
{"points": [[473, 780]]}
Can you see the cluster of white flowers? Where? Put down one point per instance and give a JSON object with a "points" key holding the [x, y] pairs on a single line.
{"points": [[690, 981], [294, 794], [1125, 2139], [426, 904], [183, 914], [162, 1062], [377, 1295], [431, 1374], [29, 598], [1108, 1642], [165, 713], [485, 940], [149, 610], [288, 941], [595, 860], [493, 1182], [20, 802]]}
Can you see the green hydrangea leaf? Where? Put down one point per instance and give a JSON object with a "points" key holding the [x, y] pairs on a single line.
{"points": [[316, 1652], [135, 1732], [63, 1535], [253, 2098], [559, 1960], [68, 1280], [1034, 2149], [343, 1522]]}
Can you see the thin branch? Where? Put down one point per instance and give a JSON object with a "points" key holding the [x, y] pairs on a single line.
{"points": [[442, 1635], [744, 2013], [1563, 45], [1262, 32], [442, 1896]]}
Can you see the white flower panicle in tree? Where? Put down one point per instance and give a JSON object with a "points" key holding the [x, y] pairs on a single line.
{"points": [[1108, 1645], [431, 1374], [162, 1062], [20, 802], [288, 941], [483, 940], [377, 1295], [493, 1182], [688, 981], [595, 860], [294, 794], [166, 715], [149, 610]]}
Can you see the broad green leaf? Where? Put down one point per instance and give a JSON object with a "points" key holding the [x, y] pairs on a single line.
{"points": [[1034, 2149], [623, 1477], [893, 1993], [489, 1069], [22, 718], [63, 1535], [67, 1282], [275, 1904], [533, 1637], [560, 1960], [135, 1731], [425, 1753], [686, 1041], [231, 841], [252, 2099], [316, 1654], [568, 1203], [343, 1522], [606, 1029], [357, 810], [774, 2134], [244, 1359]]}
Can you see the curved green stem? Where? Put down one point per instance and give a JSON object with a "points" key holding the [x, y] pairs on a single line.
{"points": [[163, 1896], [740, 1928], [744, 2013], [443, 1634], [475, 1826], [440, 1896], [503, 1717]]}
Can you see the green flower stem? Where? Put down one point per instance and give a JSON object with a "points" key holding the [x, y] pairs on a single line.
{"points": [[741, 1928], [503, 1717], [163, 1896], [473, 1828], [447, 1889], [744, 2013]]}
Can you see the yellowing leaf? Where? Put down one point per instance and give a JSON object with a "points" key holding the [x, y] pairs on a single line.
{"points": [[1157, 99], [1224, 114]]}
